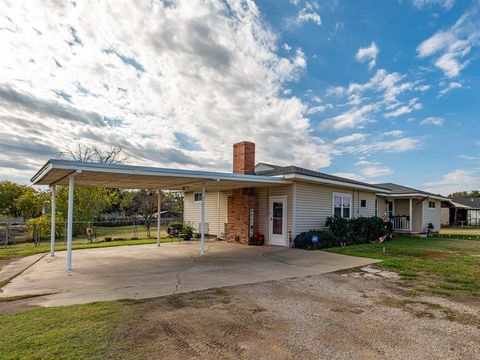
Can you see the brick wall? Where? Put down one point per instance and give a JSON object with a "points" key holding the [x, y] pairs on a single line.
{"points": [[239, 205], [244, 158]]}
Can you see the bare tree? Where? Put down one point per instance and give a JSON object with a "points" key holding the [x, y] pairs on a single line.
{"points": [[144, 203], [93, 153]]}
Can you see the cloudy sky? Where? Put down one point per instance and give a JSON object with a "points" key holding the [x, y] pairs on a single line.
{"points": [[372, 90]]}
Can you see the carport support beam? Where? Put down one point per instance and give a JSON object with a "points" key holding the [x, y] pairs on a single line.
{"points": [[71, 184], [159, 203], [52, 231], [202, 225]]}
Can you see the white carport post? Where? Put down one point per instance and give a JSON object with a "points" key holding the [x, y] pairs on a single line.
{"points": [[159, 203], [202, 225], [71, 184], [410, 223], [52, 234]]}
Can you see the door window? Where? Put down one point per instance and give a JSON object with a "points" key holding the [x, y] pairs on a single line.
{"points": [[277, 218]]}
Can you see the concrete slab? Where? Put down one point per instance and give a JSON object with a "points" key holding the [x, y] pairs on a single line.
{"points": [[143, 271], [17, 266]]}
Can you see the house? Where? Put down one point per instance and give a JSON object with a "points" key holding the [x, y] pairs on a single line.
{"points": [[462, 211], [411, 210], [302, 201]]}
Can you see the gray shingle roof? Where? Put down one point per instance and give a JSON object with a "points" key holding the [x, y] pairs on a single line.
{"points": [[400, 189], [474, 203], [283, 170]]}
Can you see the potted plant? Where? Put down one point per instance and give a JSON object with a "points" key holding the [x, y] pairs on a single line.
{"points": [[187, 232]]}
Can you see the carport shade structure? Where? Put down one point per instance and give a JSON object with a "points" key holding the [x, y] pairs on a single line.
{"points": [[75, 173]]}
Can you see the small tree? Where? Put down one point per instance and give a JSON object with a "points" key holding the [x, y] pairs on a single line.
{"points": [[144, 203], [93, 153]]}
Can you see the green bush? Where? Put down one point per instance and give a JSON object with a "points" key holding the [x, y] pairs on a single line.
{"points": [[342, 232], [43, 224], [187, 232]]}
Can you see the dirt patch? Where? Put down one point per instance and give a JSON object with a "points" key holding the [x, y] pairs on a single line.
{"points": [[334, 316], [436, 255]]}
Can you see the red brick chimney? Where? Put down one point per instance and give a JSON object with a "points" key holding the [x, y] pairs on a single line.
{"points": [[244, 158]]}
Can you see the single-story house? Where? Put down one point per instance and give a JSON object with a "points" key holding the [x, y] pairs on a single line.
{"points": [[277, 202], [462, 211], [303, 201]]}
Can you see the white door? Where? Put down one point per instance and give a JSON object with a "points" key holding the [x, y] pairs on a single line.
{"points": [[278, 220]]}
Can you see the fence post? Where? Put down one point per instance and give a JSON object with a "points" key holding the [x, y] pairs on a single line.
{"points": [[6, 234]]}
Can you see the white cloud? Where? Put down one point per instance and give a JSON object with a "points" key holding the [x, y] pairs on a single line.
{"points": [[393, 133], [451, 86], [376, 171], [316, 109], [307, 14], [421, 4], [390, 146], [368, 54], [451, 47], [423, 87], [357, 137], [457, 180], [354, 118], [431, 120], [142, 72], [412, 105]]}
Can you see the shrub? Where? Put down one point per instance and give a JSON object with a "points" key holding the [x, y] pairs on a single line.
{"points": [[344, 232], [304, 240], [187, 232]]}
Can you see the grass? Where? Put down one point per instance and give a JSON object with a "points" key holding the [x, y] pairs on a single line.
{"points": [[25, 249], [461, 232], [71, 332], [437, 266]]}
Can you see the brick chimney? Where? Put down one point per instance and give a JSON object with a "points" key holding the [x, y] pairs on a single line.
{"points": [[244, 158]]}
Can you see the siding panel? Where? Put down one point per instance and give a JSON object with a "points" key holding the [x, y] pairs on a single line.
{"points": [[215, 211]]}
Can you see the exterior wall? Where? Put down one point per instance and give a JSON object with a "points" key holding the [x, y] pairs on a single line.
{"points": [[263, 207], [215, 212], [402, 207], [431, 215], [239, 205], [417, 214], [314, 203], [445, 216]]}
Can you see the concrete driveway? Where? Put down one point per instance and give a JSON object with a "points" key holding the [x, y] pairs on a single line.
{"points": [[143, 271]]}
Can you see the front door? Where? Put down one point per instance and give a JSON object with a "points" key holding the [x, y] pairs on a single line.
{"points": [[278, 220]]}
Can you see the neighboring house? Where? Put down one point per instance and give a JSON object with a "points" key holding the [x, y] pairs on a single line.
{"points": [[462, 211], [303, 201], [411, 210]]}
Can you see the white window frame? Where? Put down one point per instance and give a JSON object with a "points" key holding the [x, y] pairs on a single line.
{"points": [[434, 205], [342, 195], [366, 203], [197, 201]]}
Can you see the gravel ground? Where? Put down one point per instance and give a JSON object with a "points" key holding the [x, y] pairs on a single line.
{"points": [[351, 315]]}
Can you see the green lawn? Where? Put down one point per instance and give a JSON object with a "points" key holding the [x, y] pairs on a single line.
{"points": [[25, 249], [71, 332], [438, 266]]}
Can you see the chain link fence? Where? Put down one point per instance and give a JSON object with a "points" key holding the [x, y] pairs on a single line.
{"points": [[83, 231]]}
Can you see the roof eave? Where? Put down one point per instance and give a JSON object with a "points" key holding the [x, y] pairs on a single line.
{"points": [[294, 176]]}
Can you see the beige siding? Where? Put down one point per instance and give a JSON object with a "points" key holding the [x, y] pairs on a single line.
{"points": [[263, 207], [215, 211], [417, 214], [314, 203], [402, 207]]}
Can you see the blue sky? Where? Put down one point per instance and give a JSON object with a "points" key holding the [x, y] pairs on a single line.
{"points": [[372, 90]]}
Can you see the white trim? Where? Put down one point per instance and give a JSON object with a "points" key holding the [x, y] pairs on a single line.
{"points": [[294, 209], [434, 205], [410, 215], [334, 182], [284, 198], [342, 195], [151, 171], [420, 195]]}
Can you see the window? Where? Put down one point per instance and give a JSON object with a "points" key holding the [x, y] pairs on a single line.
{"points": [[342, 204], [197, 197], [363, 203], [431, 204]]}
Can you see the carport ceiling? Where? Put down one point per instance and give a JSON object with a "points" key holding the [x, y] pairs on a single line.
{"points": [[56, 172]]}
